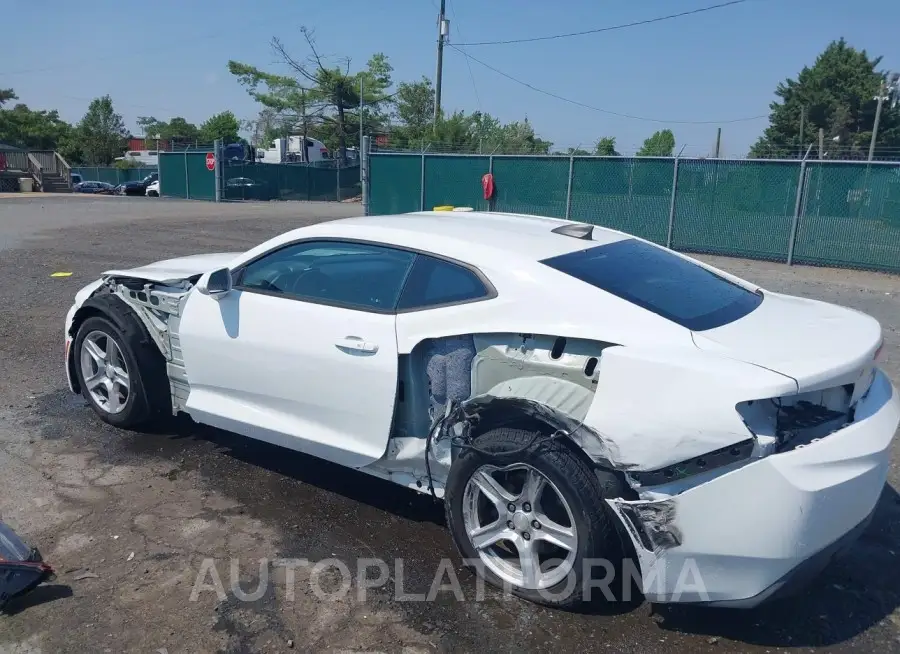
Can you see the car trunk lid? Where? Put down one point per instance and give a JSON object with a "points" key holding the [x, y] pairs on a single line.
{"points": [[817, 344]]}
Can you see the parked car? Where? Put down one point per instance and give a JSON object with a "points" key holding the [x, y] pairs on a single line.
{"points": [[76, 179], [138, 187], [101, 188], [575, 395], [153, 189]]}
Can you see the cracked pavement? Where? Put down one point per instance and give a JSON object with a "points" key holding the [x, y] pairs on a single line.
{"points": [[128, 519]]}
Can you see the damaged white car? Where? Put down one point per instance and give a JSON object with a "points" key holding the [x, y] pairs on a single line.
{"points": [[573, 393]]}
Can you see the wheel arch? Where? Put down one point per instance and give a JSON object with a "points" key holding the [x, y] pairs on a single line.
{"points": [[530, 415]]}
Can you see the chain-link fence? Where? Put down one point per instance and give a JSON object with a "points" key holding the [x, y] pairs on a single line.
{"points": [[191, 174], [112, 175], [266, 181], [837, 213]]}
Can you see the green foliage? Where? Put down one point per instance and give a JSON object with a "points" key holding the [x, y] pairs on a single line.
{"points": [[126, 164], [36, 130], [459, 132], [6, 95], [606, 147], [101, 133], [220, 126], [318, 98], [838, 93], [659, 144]]}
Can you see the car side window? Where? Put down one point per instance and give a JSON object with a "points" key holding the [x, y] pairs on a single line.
{"points": [[355, 275], [435, 282]]}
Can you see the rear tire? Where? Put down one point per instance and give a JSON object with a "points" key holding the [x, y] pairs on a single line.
{"points": [[120, 371], [577, 528]]}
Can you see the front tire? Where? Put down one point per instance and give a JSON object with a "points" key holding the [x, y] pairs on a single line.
{"points": [[119, 369], [529, 513]]}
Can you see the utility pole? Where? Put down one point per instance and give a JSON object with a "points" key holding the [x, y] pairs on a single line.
{"points": [[821, 143], [361, 88], [718, 142], [881, 97], [802, 127], [443, 29]]}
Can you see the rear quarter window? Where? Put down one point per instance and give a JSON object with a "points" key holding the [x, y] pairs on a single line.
{"points": [[657, 280]]}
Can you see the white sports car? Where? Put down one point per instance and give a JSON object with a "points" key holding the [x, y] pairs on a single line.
{"points": [[574, 394]]}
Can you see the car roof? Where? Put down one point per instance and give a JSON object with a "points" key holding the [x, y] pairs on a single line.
{"points": [[472, 236]]}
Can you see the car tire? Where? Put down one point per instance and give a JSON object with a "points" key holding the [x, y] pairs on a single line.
{"points": [[142, 392], [569, 475]]}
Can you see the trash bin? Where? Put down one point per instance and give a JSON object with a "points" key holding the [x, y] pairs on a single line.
{"points": [[25, 184]]}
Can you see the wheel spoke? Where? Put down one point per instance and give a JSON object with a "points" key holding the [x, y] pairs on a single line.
{"points": [[113, 397], [96, 380], [487, 535], [529, 563], [98, 355], [531, 489], [555, 533], [112, 353], [120, 376], [496, 494]]}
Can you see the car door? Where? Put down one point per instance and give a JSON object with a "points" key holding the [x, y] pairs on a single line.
{"points": [[303, 351]]}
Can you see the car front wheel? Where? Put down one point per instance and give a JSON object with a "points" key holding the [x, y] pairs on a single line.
{"points": [[529, 514], [113, 364]]}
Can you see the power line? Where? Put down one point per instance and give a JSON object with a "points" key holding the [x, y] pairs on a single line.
{"points": [[609, 29], [468, 63], [598, 109]]}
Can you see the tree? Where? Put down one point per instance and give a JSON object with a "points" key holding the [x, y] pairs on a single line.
{"points": [[36, 130], [102, 133], [414, 105], [659, 144], [149, 126], [220, 126], [178, 130], [319, 93], [6, 95], [606, 147], [836, 94]]}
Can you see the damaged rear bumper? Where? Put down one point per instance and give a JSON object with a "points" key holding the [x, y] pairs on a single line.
{"points": [[767, 528]]}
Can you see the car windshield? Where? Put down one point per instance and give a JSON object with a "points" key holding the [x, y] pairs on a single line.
{"points": [[657, 280]]}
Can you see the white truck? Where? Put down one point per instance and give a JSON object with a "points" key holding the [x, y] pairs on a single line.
{"points": [[290, 150]]}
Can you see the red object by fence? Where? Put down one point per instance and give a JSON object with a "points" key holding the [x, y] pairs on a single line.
{"points": [[487, 183]]}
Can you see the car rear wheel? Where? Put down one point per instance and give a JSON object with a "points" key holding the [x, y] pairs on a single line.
{"points": [[120, 373], [531, 518]]}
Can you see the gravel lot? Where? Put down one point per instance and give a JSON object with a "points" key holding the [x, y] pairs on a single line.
{"points": [[128, 519]]}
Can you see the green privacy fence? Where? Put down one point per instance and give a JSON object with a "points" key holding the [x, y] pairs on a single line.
{"points": [[186, 175], [264, 181], [111, 175], [835, 213]]}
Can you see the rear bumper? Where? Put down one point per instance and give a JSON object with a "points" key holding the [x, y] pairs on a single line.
{"points": [[767, 528]]}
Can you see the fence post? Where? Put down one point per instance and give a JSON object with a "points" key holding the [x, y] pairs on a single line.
{"points": [[187, 179], [364, 173], [569, 186], [338, 181], [798, 206], [671, 228], [422, 182], [217, 153]]}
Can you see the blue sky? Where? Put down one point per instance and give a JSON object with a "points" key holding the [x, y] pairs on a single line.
{"points": [[169, 57]]}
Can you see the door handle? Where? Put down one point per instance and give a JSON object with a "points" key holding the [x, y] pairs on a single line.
{"points": [[356, 344]]}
